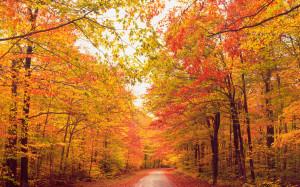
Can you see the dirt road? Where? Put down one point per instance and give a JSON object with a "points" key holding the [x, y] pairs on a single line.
{"points": [[154, 179]]}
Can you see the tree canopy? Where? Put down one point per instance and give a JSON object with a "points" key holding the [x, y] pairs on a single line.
{"points": [[223, 103]]}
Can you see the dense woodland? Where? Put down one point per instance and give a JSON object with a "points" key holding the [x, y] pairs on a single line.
{"points": [[223, 103]]}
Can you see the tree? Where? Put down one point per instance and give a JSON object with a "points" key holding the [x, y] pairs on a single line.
{"points": [[230, 50], [44, 65]]}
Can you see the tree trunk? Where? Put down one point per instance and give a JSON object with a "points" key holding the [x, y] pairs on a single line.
{"points": [[127, 161], [230, 146], [41, 158], [51, 163], [24, 127], [270, 127], [215, 147], [285, 150], [26, 106], [64, 141], [196, 155], [242, 149], [10, 145], [145, 160], [248, 129], [91, 163], [201, 156], [237, 139], [69, 145]]}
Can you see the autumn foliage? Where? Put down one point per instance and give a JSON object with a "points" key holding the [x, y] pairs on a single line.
{"points": [[224, 96], [226, 90], [66, 113]]}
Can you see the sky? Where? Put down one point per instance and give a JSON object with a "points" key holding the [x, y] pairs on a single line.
{"points": [[139, 89]]}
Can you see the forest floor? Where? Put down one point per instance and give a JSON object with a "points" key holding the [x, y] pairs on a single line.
{"points": [[134, 179], [179, 179]]}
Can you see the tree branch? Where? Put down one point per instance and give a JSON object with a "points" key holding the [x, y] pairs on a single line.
{"points": [[44, 113], [257, 24], [253, 15], [10, 48], [45, 30]]}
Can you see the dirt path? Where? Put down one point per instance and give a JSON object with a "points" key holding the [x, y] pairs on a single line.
{"points": [[148, 178], [154, 179], [126, 180]]}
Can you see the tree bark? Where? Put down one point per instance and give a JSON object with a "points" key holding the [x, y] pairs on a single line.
{"points": [[285, 149], [24, 121], [215, 147], [248, 129], [270, 127], [201, 156], [72, 131], [145, 160], [64, 141], [11, 143], [26, 106], [91, 162], [239, 157]]}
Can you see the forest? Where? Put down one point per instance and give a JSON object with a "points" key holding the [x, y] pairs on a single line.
{"points": [[223, 102]]}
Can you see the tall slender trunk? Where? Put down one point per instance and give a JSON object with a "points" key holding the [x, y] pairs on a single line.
{"points": [[237, 155], [159, 163], [270, 127], [26, 106], [51, 163], [282, 125], [145, 160], [285, 149], [215, 147], [248, 129], [196, 156], [187, 155], [230, 146], [41, 158], [91, 163], [237, 138], [242, 149], [11, 143], [105, 157], [64, 141], [199, 158], [24, 121], [72, 131], [47, 117], [127, 161]]}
